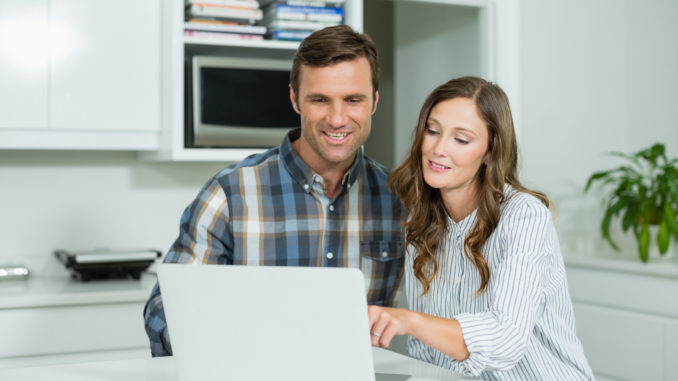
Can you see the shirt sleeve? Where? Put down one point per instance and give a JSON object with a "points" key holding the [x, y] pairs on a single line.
{"points": [[204, 238], [498, 338]]}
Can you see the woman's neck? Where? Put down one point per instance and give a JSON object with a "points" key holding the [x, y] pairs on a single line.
{"points": [[459, 203]]}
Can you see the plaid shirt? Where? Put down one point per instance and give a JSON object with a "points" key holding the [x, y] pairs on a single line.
{"points": [[271, 209]]}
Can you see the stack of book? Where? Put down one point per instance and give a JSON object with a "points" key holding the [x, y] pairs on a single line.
{"points": [[224, 19], [294, 20]]}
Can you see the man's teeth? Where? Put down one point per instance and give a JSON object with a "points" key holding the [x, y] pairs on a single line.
{"points": [[439, 166], [336, 136]]}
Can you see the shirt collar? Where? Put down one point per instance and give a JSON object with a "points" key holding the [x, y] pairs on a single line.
{"points": [[302, 173], [462, 227]]}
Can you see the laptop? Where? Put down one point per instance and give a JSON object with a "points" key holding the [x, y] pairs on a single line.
{"points": [[268, 323]]}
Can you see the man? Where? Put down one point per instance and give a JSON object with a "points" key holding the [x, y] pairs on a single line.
{"points": [[315, 200]]}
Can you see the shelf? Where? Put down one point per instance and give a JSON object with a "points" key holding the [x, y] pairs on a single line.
{"points": [[256, 44], [203, 154]]}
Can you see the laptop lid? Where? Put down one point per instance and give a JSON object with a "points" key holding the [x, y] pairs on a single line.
{"points": [[267, 323]]}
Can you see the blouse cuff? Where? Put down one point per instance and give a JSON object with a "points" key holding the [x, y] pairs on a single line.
{"points": [[476, 362]]}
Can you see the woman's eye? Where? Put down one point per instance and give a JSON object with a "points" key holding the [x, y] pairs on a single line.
{"points": [[430, 131], [461, 140]]}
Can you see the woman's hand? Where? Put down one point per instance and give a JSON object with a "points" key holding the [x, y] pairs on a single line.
{"points": [[387, 322]]}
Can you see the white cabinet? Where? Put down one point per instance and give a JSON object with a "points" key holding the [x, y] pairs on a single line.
{"points": [[23, 64], [57, 320], [627, 317], [80, 74]]}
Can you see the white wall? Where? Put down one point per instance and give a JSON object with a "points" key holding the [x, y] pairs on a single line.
{"points": [[597, 76], [79, 200]]}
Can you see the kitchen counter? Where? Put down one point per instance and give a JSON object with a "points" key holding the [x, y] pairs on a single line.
{"points": [[64, 291], [662, 267], [51, 318]]}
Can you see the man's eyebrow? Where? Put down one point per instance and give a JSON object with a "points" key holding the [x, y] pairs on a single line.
{"points": [[316, 95]]}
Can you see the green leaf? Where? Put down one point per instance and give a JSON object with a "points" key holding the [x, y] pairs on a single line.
{"points": [[670, 218], [611, 211], [663, 237], [595, 177], [629, 217], [644, 242]]}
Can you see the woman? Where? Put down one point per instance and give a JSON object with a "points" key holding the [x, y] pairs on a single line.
{"points": [[485, 279]]}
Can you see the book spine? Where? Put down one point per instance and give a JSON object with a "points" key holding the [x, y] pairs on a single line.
{"points": [[249, 4], [298, 25], [225, 36], [290, 35], [227, 12], [282, 8], [222, 27], [306, 3], [286, 12]]}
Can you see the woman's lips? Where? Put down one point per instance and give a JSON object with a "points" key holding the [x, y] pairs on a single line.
{"points": [[437, 167]]}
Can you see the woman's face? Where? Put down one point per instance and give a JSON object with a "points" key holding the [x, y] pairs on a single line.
{"points": [[454, 146]]}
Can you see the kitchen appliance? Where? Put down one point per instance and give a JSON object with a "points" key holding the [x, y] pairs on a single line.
{"points": [[107, 264], [13, 273], [237, 102]]}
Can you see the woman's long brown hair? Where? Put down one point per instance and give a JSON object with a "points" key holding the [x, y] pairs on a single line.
{"points": [[427, 224]]}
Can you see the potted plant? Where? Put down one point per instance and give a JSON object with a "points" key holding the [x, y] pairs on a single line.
{"points": [[643, 193]]}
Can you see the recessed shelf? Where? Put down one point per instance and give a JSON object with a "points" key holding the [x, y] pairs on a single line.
{"points": [[257, 44]]}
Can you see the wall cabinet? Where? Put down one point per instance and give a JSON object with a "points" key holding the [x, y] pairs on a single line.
{"points": [[627, 317], [80, 74]]}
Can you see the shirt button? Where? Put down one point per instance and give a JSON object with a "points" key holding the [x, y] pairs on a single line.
{"points": [[306, 186], [330, 255], [331, 208], [384, 254]]}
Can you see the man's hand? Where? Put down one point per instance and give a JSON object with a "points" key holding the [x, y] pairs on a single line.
{"points": [[387, 322]]}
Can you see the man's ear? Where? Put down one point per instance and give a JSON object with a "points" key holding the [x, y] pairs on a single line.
{"points": [[293, 99], [376, 100]]}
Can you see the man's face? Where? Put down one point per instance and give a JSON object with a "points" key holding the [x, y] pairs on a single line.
{"points": [[336, 105]]}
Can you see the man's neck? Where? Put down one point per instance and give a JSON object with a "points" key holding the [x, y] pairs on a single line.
{"points": [[332, 174]]}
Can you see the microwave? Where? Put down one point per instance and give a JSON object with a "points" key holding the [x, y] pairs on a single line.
{"points": [[238, 102]]}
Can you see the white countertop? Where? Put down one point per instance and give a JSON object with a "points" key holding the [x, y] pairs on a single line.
{"points": [[667, 268], [59, 290], [152, 369]]}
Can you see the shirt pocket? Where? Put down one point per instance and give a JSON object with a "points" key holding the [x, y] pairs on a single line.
{"points": [[381, 250], [381, 263]]}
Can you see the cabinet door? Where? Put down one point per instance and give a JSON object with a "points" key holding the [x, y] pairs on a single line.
{"points": [[23, 64], [617, 342], [105, 65], [671, 354]]}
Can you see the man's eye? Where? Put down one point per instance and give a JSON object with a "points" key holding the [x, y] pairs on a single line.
{"points": [[354, 100], [317, 100]]}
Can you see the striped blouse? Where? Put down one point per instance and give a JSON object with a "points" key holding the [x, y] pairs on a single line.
{"points": [[522, 327]]}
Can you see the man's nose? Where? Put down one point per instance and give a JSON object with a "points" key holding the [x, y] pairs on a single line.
{"points": [[337, 117]]}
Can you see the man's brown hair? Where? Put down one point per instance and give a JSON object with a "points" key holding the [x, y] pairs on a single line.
{"points": [[333, 45]]}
